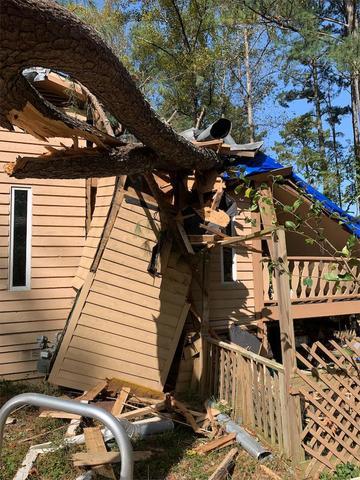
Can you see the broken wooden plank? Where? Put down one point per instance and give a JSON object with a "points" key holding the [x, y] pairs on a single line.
{"points": [[95, 445], [120, 401], [217, 196], [213, 230], [213, 144], [94, 391], [140, 412], [217, 443], [201, 239], [185, 238], [219, 217], [139, 391], [58, 414], [270, 473], [180, 407], [260, 233], [225, 466], [86, 459]]}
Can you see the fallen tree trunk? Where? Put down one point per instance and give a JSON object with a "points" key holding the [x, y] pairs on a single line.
{"points": [[42, 33], [88, 162]]}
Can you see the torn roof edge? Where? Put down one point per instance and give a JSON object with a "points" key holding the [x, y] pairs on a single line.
{"points": [[262, 163]]}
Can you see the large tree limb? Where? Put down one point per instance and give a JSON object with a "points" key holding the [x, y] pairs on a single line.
{"points": [[128, 159], [42, 33], [27, 109]]}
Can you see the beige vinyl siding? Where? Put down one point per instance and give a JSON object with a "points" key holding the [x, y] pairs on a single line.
{"points": [[231, 301], [58, 234], [130, 323], [104, 195]]}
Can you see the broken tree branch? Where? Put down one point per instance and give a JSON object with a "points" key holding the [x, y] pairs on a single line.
{"points": [[86, 163], [41, 32]]}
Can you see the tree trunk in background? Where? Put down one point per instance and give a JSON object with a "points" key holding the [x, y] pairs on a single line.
{"points": [[353, 29], [320, 129], [249, 106], [336, 154]]}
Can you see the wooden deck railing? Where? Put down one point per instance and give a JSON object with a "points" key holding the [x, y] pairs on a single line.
{"points": [[318, 288], [326, 390], [251, 385]]}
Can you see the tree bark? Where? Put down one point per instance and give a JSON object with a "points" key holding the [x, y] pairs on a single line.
{"points": [[249, 106], [320, 129], [352, 28], [42, 33], [88, 162]]}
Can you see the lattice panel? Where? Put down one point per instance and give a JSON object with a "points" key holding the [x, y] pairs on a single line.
{"points": [[332, 404]]}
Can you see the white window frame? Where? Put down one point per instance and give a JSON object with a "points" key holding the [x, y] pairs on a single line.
{"points": [[233, 256], [28, 239]]}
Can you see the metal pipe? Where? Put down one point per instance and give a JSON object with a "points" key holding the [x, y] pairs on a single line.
{"points": [[243, 438], [83, 409], [219, 129], [145, 428]]}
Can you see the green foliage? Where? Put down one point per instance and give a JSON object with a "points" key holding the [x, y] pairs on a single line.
{"points": [[343, 471]]}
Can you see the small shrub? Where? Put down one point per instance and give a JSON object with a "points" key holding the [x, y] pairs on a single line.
{"points": [[343, 471]]}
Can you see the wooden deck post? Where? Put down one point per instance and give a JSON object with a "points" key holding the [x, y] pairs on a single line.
{"points": [[290, 404], [204, 330]]}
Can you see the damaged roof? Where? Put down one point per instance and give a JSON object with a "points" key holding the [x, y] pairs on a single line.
{"points": [[262, 163]]}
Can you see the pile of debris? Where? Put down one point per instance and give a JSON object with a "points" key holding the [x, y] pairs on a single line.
{"points": [[142, 412]]}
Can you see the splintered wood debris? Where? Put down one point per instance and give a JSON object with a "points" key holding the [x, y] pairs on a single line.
{"points": [[130, 402]]}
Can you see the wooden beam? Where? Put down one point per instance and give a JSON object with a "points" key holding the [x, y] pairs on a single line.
{"points": [[261, 233], [292, 414], [265, 176], [216, 443], [277, 247], [85, 459], [95, 446], [312, 310], [205, 322], [112, 215], [120, 401], [256, 258], [223, 470], [93, 392], [140, 412]]}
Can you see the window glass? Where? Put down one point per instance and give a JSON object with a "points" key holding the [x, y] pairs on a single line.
{"points": [[20, 238], [229, 257]]}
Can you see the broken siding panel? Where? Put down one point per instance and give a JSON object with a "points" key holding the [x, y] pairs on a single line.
{"points": [[130, 322], [58, 218], [232, 301], [104, 195]]}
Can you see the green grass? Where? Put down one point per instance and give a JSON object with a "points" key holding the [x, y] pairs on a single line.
{"points": [[173, 456]]}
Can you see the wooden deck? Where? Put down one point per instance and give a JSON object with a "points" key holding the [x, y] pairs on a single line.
{"points": [[317, 297]]}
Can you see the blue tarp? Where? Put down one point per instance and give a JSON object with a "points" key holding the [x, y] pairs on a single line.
{"points": [[263, 163]]}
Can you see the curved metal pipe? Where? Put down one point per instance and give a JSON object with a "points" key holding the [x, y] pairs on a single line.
{"points": [[71, 406]]}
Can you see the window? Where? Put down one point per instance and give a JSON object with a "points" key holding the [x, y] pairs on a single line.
{"points": [[228, 258], [20, 239]]}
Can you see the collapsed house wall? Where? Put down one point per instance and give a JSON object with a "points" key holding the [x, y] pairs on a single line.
{"points": [[126, 323], [233, 301], [104, 195], [58, 235]]}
